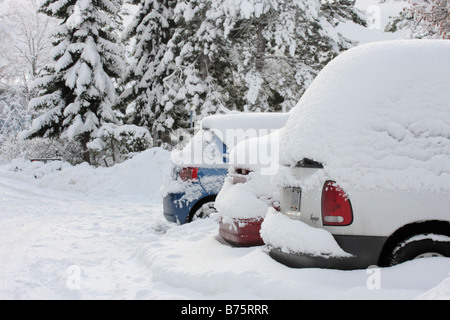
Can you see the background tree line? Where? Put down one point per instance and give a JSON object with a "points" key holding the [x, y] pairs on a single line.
{"points": [[87, 89]]}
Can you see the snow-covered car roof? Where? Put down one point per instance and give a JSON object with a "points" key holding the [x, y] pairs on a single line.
{"points": [[244, 120], [378, 116], [235, 127]]}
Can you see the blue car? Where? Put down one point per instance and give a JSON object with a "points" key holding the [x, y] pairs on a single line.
{"points": [[199, 170]]}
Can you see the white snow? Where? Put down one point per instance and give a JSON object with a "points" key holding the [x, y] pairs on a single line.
{"points": [[241, 200], [78, 232], [252, 198], [245, 120], [372, 112], [295, 236]]}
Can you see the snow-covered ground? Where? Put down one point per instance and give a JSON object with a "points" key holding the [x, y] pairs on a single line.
{"points": [[99, 233]]}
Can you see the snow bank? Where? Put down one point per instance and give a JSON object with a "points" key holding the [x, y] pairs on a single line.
{"points": [[190, 262], [378, 116], [138, 179], [291, 235], [36, 169]]}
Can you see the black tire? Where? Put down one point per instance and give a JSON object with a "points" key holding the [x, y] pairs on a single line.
{"points": [[425, 246], [196, 212]]}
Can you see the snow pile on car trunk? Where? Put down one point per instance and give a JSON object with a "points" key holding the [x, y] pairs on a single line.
{"points": [[289, 235], [378, 116], [250, 198]]}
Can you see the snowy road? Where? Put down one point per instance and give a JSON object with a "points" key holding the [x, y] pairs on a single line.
{"points": [[58, 243], [52, 246]]}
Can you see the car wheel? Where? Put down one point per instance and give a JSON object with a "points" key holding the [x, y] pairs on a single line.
{"points": [[423, 246], [202, 210]]}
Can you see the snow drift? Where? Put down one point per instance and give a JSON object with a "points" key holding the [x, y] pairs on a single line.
{"points": [[135, 179]]}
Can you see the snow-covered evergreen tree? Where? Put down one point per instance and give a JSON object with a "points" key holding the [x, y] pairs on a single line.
{"points": [[424, 19], [77, 90], [169, 74], [152, 28], [252, 55], [210, 56], [200, 55], [285, 45]]}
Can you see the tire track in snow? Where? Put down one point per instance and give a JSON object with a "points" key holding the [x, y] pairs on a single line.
{"points": [[43, 237]]}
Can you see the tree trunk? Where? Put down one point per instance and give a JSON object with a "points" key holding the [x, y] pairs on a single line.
{"points": [[260, 48], [204, 66], [84, 141]]}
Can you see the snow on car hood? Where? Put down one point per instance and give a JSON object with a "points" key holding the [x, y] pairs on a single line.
{"points": [[378, 116]]}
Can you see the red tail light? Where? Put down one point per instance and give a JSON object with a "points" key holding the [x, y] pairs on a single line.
{"points": [[276, 205], [188, 174], [242, 171], [240, 175], [336, 207]]}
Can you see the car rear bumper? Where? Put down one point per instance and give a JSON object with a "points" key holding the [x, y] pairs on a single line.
{"points": [[175, 209], [365, 252], [242, 232]]}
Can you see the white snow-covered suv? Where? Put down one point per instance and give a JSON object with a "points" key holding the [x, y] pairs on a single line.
{"points": [[366, 157]]}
